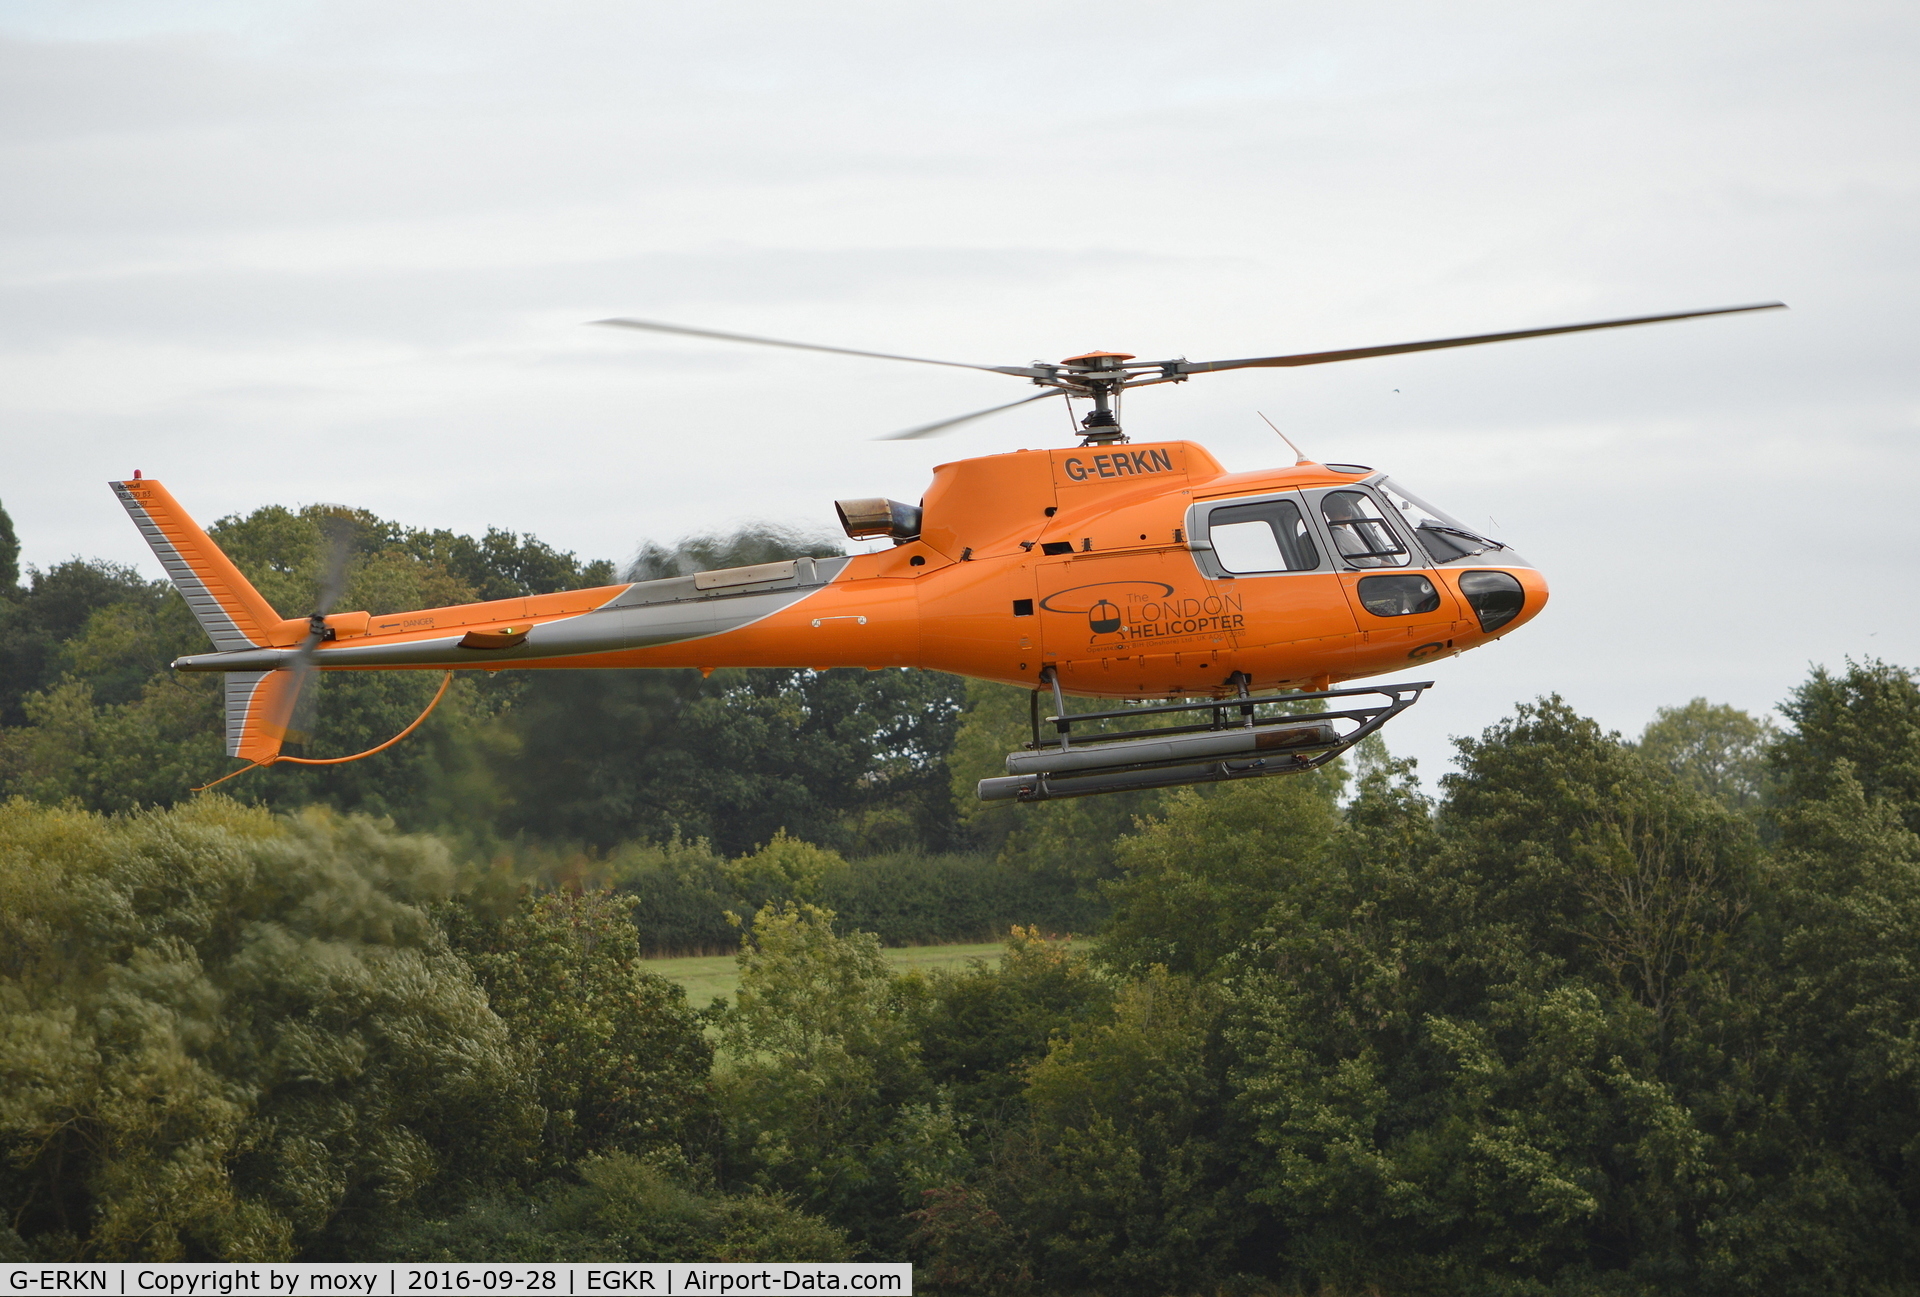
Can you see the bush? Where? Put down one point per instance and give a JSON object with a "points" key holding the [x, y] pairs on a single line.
{"points": [[624, 1209], [222, 1034]]}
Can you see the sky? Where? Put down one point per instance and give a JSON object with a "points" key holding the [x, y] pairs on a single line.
{"points": [[284, 252]]}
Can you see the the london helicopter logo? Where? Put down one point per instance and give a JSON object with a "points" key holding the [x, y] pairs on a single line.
{"points": [[1147, 610]]}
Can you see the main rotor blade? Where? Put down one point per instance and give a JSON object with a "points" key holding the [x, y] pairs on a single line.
{"points": [[1362, 353], [930, 429], [656, 327]]}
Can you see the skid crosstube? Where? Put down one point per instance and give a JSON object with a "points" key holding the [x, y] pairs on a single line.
{"points": [[1234, 742]]}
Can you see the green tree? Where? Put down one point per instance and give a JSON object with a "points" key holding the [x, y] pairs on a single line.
{"points": [[846, 758], [849, 759], [95, 712], [9, 558], [823, 1088], [984, 1027], [230, 1036], [56, 607], [619, 1061], [1718, 750], [1197, 883], [1868, 717], [1074, 838], [1127, 1175], [623, 1208], [1472, 1053]]}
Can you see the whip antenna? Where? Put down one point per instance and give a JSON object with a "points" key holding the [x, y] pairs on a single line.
{"points": [[1300, 456]]}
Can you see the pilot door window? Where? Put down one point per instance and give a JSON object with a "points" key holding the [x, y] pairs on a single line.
{"points": [[1361, 534], [1271, 536]]}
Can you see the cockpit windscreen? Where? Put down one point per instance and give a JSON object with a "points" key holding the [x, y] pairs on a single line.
{"points": [[1442, 536]]}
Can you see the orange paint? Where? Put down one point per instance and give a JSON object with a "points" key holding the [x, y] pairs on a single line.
{"points": [[1077, 559]]}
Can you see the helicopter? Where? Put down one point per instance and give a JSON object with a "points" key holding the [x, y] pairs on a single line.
{"points": [[1221, 610]]}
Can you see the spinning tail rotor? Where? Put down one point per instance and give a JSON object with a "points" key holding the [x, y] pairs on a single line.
{"points": [[292, 705]]}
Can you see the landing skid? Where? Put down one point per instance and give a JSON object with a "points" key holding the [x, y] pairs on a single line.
{"points": [[1236, 741]]}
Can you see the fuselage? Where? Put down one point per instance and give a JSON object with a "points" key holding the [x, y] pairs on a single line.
{"points": [[1130, 570]]}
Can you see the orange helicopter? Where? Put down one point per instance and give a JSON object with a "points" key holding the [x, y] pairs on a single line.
{"points": [[1112, 569]]}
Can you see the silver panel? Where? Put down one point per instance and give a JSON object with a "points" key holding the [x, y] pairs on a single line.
{"points": [[240, 690], [647, 614]]}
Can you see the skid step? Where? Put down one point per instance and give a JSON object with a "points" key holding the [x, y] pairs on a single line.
{"points": [[1248, 737]]}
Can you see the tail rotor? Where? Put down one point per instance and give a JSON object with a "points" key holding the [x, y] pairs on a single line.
{"points": [[293, 703]]}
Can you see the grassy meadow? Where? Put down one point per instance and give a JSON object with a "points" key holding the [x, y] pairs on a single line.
{"points": [[708, 977]]}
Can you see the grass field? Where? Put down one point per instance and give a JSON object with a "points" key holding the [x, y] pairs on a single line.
{"points": [[710, 976]]}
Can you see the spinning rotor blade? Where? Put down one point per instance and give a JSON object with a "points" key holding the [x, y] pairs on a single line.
{"points": [[655, 327], [299, 694], [931, 429], [293, 703], [1362, 353], [338, 534]]}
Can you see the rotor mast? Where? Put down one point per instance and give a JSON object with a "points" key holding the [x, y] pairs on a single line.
{"points": [[1099, 376]]}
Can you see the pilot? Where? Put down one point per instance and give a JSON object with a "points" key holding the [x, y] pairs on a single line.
{"points": [[1359, 534]]}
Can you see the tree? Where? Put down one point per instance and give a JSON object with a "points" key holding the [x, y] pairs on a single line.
{"points": [[1720, 751], [849, 759], [619, 1061], [1074, 838], [96, 713], [1198, 882], [1130, 1181], [1487, 1049], [823, 1089], [9, 558], [229, 1036], [985, 1026], [1867, 717], [623, 1208], [56, 607]]}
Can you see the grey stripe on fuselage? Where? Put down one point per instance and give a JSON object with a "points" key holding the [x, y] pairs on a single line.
{"points": [[646, 614], [207, 611]]}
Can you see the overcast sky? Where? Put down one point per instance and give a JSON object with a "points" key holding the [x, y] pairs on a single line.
{"points": [[289, 252]]}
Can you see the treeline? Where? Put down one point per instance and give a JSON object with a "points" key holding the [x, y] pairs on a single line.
{"points": [[1604, 1018], [656, 779]]}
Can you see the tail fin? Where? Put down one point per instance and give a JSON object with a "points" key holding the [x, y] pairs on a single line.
{"points": [[257, 704], [229, 609]]}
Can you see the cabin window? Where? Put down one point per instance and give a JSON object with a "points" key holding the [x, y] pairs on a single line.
{"points": [[1496, 597], [1270, 536], [1361, 534], [1398, 596]]}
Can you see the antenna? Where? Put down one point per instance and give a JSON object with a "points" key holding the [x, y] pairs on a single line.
{"points": [[1299, 454]]}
